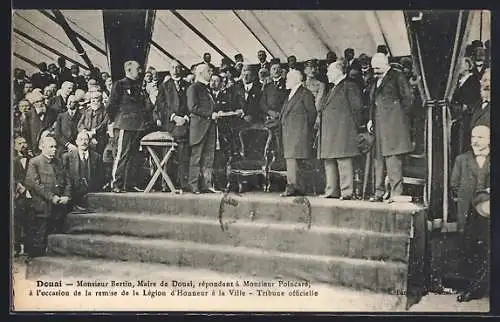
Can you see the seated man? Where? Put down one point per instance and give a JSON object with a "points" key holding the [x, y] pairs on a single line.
{"points": [[50, 188], [471, 174], [85, 170], [95, 121]]}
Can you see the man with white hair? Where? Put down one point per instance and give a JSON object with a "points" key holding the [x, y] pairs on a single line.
{"points": [[37, 119], [391, 100], [172, 115], [50, 189], [202, 131], [130, 110], [59, 102], [297, 118], [95, 121], [470, 175]]}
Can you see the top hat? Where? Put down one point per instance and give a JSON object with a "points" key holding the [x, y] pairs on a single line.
{"points": [[482, 203]]}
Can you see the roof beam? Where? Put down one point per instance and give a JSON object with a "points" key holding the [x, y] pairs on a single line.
{"points": [[79, 35], [72, 37], [41, 44], [25, 59], [202, 36], [166, 53], [251, 31]]}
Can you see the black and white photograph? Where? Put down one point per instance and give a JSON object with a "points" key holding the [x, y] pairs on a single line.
{"points": [[250, 160]]}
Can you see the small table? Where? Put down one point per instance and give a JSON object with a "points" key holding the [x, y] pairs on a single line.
{"points": [[163, 140]]}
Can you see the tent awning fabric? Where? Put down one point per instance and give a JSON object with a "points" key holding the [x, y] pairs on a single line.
{"points": [[280, 33], [305, 34]]}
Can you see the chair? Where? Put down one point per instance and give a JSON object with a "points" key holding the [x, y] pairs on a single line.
{"points": [[252, 162], [277, 164]]}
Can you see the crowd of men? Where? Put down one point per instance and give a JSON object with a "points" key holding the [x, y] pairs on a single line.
{"points": [[76, 134]]}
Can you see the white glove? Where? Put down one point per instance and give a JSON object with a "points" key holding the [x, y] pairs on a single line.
{"points": [[369, 126]]}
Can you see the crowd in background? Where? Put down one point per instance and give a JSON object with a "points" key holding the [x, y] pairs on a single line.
{"points": [[72, 117]]}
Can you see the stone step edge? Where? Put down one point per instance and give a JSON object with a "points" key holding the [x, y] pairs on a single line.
{"points": [[223, 248], [235, 222], [315, 201]]}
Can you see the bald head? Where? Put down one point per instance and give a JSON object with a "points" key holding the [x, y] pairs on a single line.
{"points": [[480, 138], [380, 64], [203, 72], [293, 79]]}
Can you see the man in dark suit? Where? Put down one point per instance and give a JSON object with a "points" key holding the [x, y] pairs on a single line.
{"points": [[481, 114], [275, 92], [391, 101], [263, 63], [37, 119], [339, 122], [227, 129], [41, 78], [297, 121], [50, 188], [130, 110], [471, 174], [247, 93], [202, 131], [67, 126], [85, 169], [20, 193], [78, 80], [95, 121], [172, 115], [64, 72], [55, 78], [59, 102]]}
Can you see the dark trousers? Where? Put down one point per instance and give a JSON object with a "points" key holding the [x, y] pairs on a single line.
{"points": [[394, 167], [127, 147], [79, 193], [201, 162], [21, 216], [339, 171], [475, 265], [40, 226]]}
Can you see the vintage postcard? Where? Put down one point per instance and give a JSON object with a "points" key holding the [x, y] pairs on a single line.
{"points": [[250, 160]]}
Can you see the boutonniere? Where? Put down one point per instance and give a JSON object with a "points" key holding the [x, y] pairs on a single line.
{"points": [[129, 92]]}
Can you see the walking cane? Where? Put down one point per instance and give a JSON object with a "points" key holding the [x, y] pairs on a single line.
{"points": [[368, 160]]}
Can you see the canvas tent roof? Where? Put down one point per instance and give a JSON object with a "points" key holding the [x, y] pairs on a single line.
{"points": [[305, 34]]}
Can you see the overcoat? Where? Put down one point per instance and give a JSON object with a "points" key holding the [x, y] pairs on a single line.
{"points": [[340, 121], [201, 105], [390, 109], [297, 121], [467, 178]]}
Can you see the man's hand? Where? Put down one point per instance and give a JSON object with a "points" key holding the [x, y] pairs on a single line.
{"points": [[55, 200], [71, 147], [273, 114], [93, 141], [179, 121], [369, 126], [215, 115], [158, 123], [63, 200], [20, 188], [247, 118], [240, 112], [317, 122]]}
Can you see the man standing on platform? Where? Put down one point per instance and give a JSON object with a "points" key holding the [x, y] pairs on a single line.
{"points": [[50, 188], [129, 108], [172, 115], [391, 101], [297, 120], [202, 131]]}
